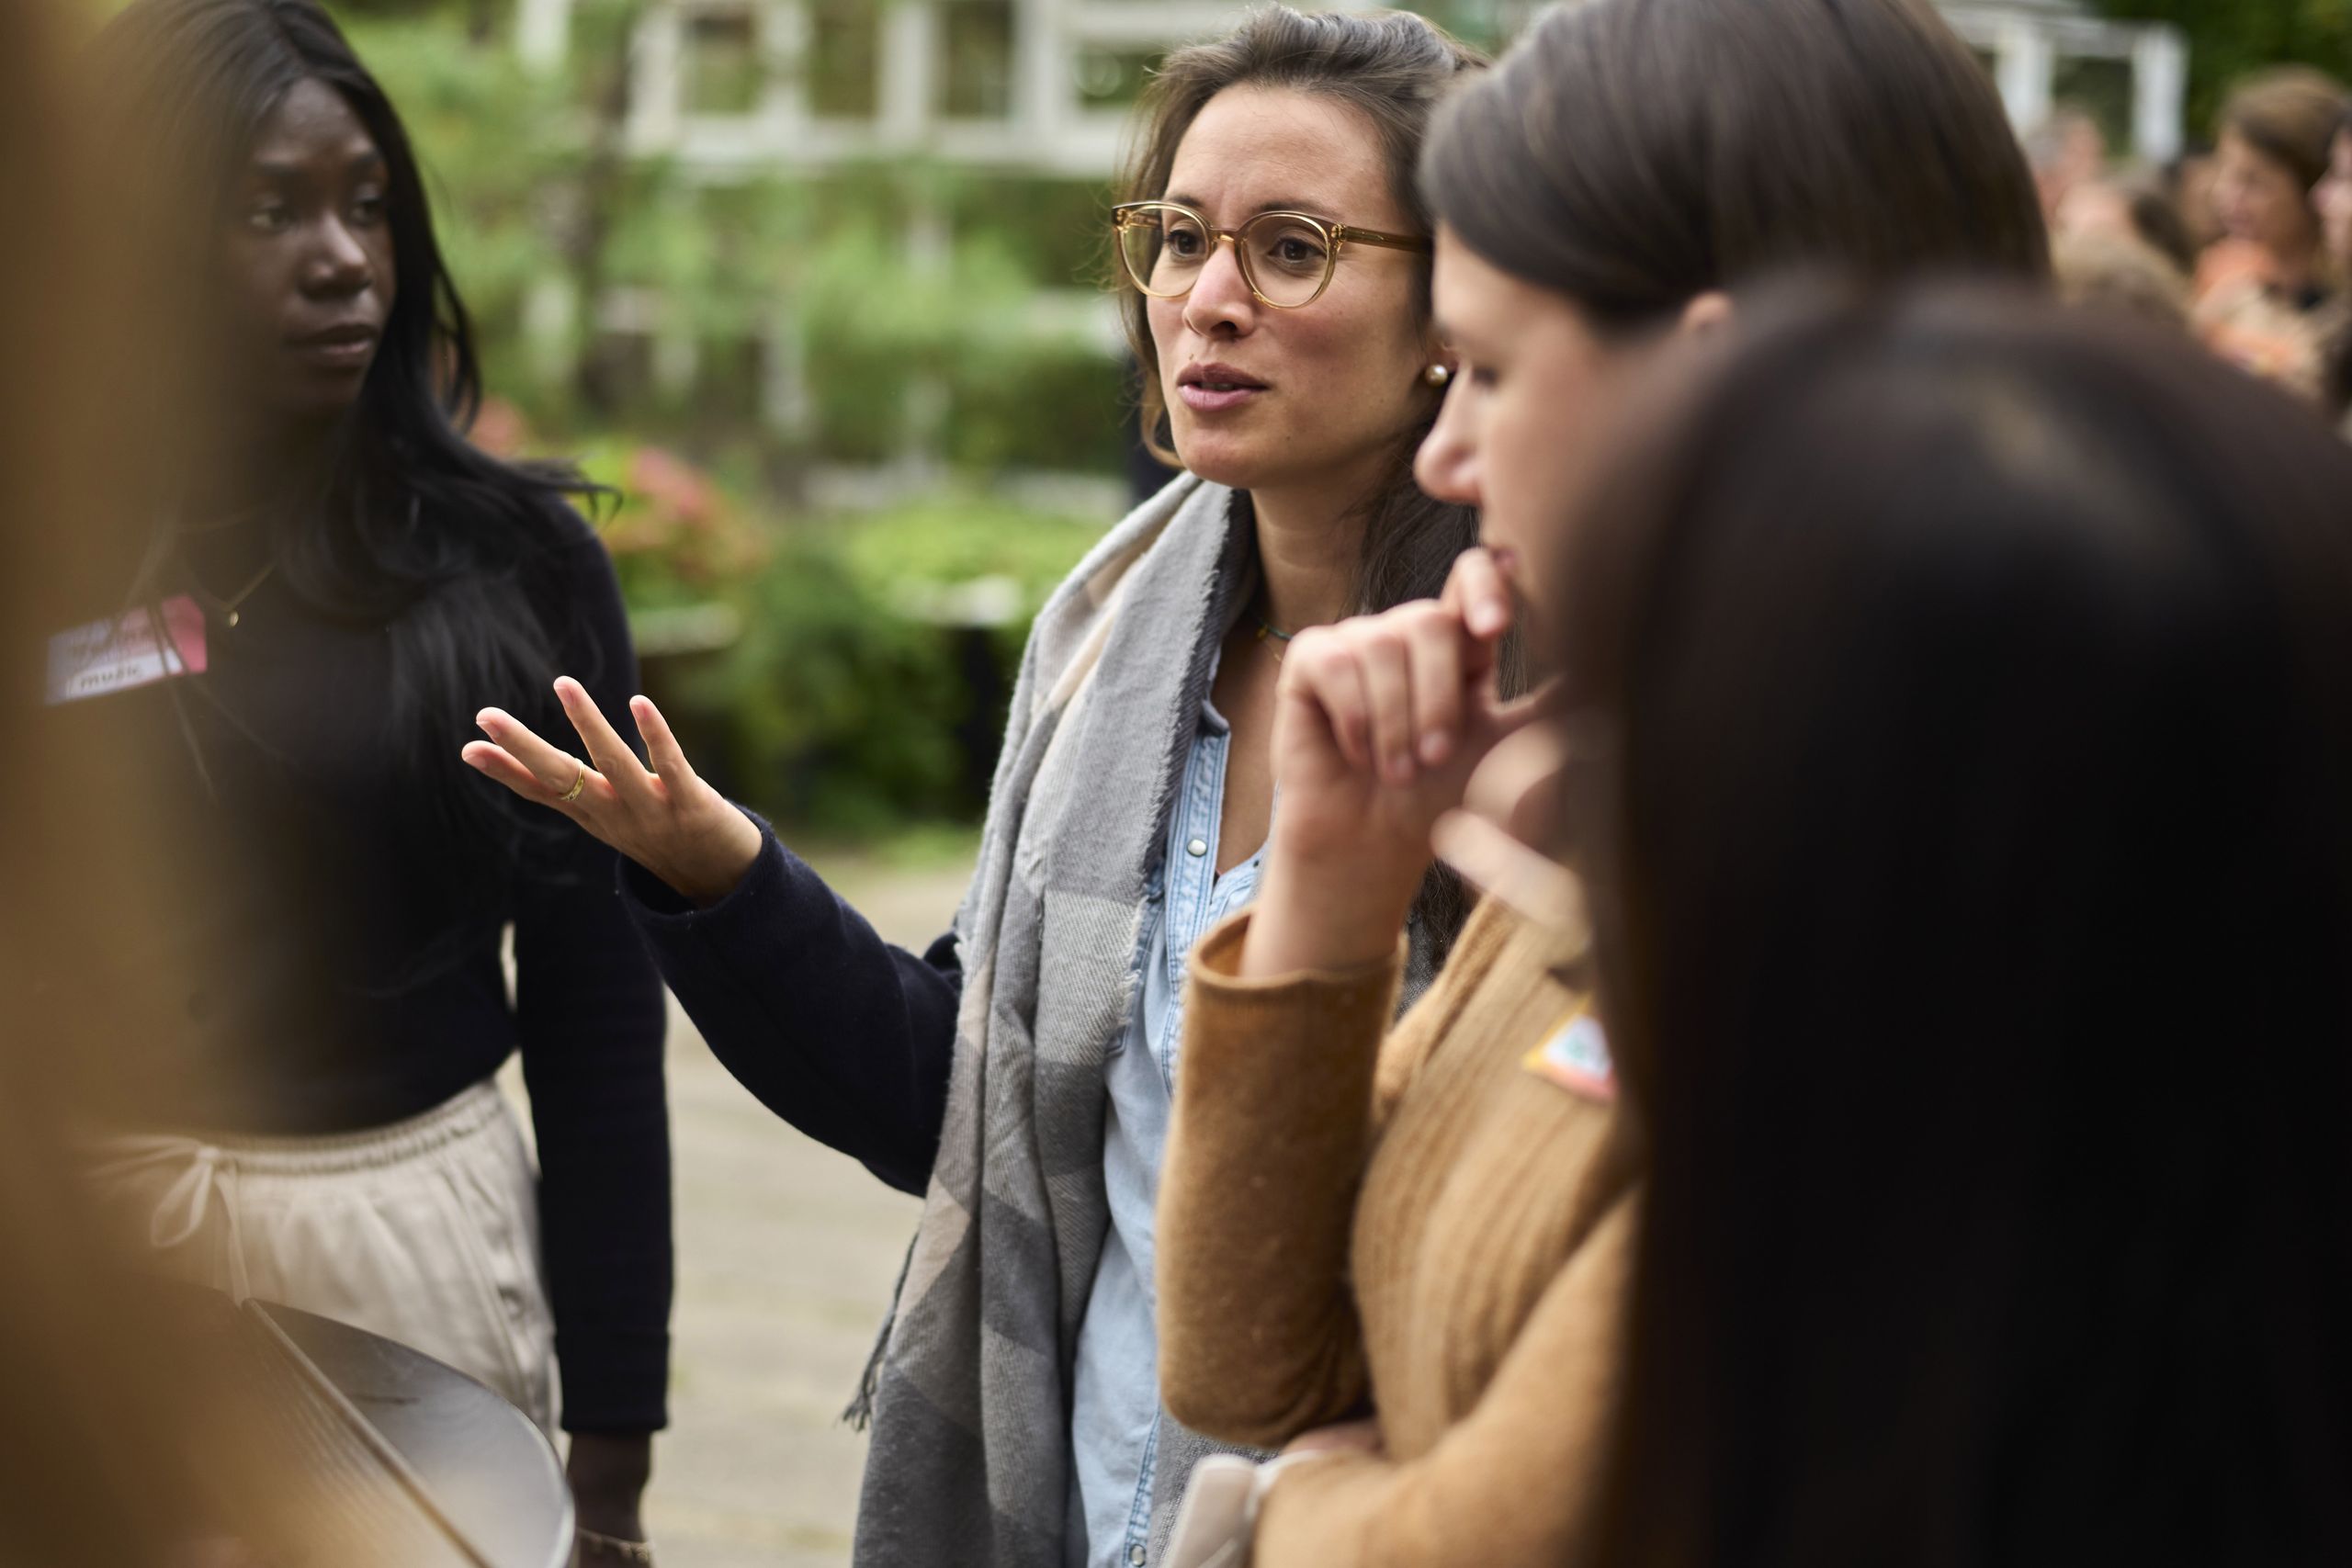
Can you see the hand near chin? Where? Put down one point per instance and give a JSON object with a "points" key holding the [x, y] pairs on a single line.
{"points": [[1379, 722], [666, 819], [1502, 837]]}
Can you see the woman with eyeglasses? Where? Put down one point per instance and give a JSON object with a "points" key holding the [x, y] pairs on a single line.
{"points": [[1276, 254], [1432, 1222]]}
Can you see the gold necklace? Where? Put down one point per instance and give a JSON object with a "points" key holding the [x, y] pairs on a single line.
{"points": [[229, 608]]}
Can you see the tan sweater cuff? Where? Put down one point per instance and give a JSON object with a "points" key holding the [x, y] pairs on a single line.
{"points": [[1218, 954], [1246, 1041]]}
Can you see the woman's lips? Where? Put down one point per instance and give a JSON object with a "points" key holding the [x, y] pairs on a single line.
{"points": [[1211, 388], [1205, 398], [341, 350]]}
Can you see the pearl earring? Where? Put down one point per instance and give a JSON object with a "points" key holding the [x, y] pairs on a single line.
{"points": [[1438, 376]]}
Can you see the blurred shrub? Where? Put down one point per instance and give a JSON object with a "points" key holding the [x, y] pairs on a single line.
{"points": [[676, 537], [918, 308], [953, 538], [501, 155], [2229, 37], [1042, 407], [832, 712], [1056, 230], [858, 696]]}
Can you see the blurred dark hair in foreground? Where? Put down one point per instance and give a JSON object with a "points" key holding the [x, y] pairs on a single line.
{"points": [[1970, 821]]}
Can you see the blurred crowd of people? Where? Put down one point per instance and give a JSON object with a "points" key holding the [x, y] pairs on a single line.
{"points": [[1685, 900], [2246, 240]]}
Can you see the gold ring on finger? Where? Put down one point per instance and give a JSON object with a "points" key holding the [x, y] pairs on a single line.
{"points": [[577, 785]]}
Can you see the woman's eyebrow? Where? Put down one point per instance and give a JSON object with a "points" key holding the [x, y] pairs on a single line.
{"points": [[1455, 338], [1283, 204], [360, 160]]}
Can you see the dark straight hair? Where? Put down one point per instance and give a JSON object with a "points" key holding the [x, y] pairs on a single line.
{"points": [[1391, 68], [410, 527], [1633, 155], [1973, 873]]}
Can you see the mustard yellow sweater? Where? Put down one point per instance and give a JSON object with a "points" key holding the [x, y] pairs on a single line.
{"points": [[1426, 1222]]}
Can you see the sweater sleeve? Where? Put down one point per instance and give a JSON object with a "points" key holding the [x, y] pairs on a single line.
{"points": [[841, 1034], [1516, 1483], [1274, 1124], [590, 1017]]}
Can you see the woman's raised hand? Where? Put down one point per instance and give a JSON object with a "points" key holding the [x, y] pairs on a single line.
{"points": [[667, 820], [1511, 804], [1378, 723]]}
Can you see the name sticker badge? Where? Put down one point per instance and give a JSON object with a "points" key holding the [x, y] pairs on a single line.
{"points": [[1576, 1057], [123, 652]]}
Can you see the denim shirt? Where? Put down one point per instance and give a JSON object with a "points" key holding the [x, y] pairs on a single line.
{"points": [[1114, 1426]]}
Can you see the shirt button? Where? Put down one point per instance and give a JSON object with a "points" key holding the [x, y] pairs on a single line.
{"points": [[1197, 847], [1135, 1553]]}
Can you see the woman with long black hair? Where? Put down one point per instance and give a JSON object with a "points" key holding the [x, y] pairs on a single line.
{"points": [[339, 578]]}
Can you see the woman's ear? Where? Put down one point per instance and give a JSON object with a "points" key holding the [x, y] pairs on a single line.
{"points": [[1705, 315]]}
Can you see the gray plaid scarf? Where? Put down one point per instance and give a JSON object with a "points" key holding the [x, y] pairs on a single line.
{"points": [[971, 1389]]}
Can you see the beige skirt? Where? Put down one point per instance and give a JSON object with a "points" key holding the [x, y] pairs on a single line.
{"points": [[425, 1231]]}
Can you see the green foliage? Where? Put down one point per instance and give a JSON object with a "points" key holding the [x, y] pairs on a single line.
{"points": [[1037, 408], [488, 133], [1021, 389], [840, 711], [955, 538], [1055, 231], [925, 307], [832, 710], [531, 188], [2228, 38]]}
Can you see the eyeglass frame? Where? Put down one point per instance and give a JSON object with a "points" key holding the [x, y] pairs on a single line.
{"points": [[1342, 236]]}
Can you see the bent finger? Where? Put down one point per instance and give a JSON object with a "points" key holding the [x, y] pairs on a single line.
{"points": [[1321, 673], [1516, 785], [1531, 885], [1499, 717], [1476, 589], [1436, 672], [1388, 685]]}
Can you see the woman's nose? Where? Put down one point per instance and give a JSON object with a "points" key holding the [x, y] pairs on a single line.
{"points": [[340, 265], [1220, 296], [1446, 467]]}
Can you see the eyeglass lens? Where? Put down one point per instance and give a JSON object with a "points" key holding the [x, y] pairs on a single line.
{"points": [[1285, 259]]}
